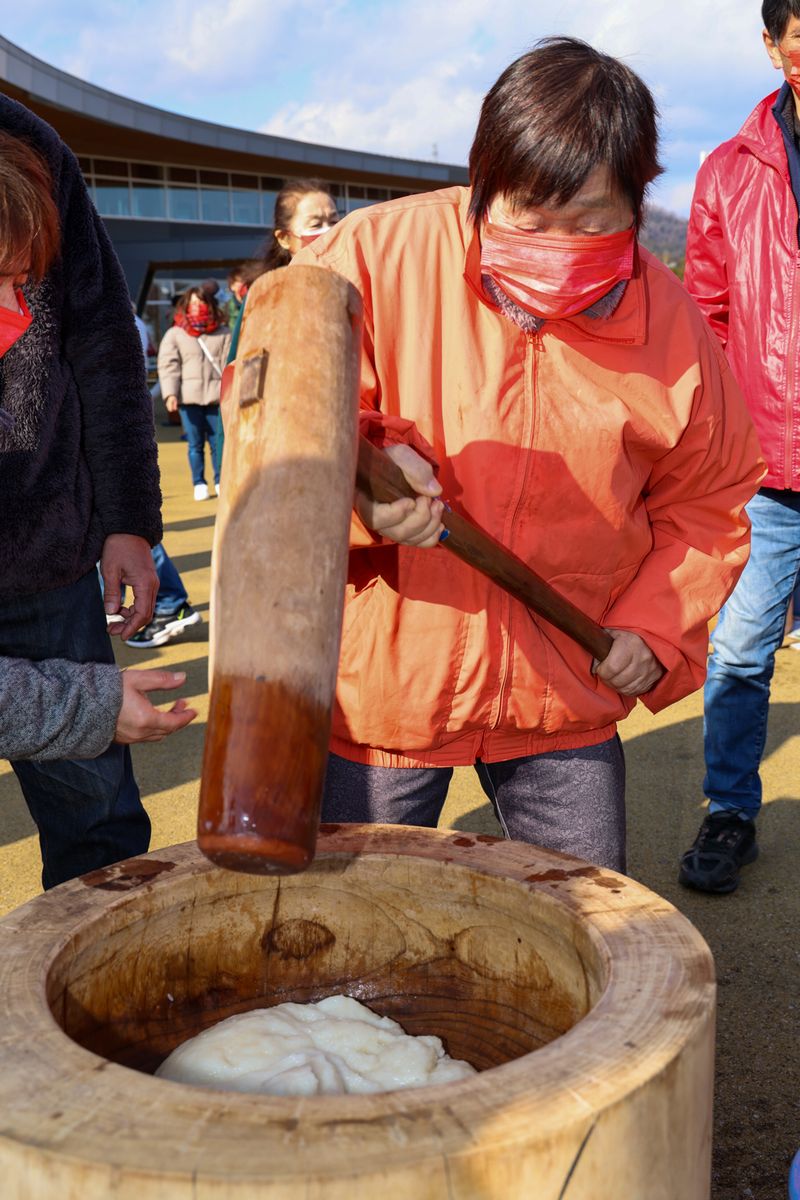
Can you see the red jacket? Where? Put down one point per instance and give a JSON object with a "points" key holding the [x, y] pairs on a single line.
{"points": [[743, 269], [615, 455]]}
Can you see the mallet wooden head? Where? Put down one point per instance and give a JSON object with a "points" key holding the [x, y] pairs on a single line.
{"points": [[279, 569]]}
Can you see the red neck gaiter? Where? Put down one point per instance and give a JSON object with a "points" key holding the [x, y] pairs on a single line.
{"points": [[203, 321], [553, 275], [13, 324]]}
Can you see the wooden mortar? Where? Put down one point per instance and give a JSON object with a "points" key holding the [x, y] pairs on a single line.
{"points": [[586, 1001]]}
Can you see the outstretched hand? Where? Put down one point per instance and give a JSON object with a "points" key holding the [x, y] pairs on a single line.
{"points": [[139, 720]]}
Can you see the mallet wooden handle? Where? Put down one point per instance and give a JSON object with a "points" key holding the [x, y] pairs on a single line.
{"points": [[382, 480]]}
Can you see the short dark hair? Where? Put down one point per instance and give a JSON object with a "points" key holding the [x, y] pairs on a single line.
{"points": [[776, 15], [556, 114]]}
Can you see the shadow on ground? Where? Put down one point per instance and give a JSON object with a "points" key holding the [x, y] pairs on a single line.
{"points": [[200, 561], [191, 523], [753, 935]]}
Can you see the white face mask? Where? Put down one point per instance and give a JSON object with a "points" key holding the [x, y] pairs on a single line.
{"points": [[307, 236]]}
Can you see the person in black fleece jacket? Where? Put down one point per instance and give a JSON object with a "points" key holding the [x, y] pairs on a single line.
{"points": [[78, 479]]}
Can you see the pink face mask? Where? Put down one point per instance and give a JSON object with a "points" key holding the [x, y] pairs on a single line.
{"points": [[13, 324], [794, 58], [552, 275]]}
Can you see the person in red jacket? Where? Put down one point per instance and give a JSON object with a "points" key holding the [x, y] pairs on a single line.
{"points": [[743, 269]]}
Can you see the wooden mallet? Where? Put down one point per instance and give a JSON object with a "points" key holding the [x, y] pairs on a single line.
{"points": [[280, 566]]}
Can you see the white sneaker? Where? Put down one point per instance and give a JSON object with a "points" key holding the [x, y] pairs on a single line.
{"points": [[201, 491]]}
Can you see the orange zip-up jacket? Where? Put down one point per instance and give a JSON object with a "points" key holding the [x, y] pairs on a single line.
{"points": [[614, 455]]}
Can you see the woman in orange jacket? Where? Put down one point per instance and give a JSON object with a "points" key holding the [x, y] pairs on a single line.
{"points": [[526, 361]]}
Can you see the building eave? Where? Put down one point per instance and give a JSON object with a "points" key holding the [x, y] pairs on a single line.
{"points": [[56, 88]]}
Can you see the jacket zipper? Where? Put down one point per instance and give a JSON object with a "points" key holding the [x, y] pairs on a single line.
{"points": [[782, 167], [792, 382], [533, 348]]}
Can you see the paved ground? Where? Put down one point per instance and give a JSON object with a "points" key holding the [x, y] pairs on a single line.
{"points": [[753, 934]]}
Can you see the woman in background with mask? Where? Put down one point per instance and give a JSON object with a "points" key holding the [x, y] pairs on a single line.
{"points": [[304, 210], [525, 360], [191, 359]]}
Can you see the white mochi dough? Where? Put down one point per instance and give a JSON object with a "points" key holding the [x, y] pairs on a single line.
{"points": [[323, 1049]]}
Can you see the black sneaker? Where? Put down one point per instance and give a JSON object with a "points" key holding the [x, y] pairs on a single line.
{"points": [[164, 628], [724, 844]]}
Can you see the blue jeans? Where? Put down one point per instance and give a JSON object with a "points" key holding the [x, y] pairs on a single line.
{"points": [[88, 812], [201, 424], [567, 800], [171, 592], [749, 631]]}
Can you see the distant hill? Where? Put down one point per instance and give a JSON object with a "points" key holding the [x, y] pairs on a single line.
{"points": [[664, 234]]}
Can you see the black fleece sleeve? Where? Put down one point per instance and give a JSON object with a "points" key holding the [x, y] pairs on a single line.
{"points": [[102, 346]]}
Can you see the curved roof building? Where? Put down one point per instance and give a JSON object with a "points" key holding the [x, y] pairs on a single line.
{"points": [[184, 198]]}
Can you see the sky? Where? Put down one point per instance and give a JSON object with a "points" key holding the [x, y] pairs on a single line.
{"points": [[404, 78]]}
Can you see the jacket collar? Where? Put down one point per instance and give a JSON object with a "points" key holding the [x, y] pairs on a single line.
{"points": [[762, 135], [626, 325]]}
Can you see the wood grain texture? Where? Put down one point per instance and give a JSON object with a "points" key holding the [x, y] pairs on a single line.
{"points": [[279, 569], [587, 1001]]}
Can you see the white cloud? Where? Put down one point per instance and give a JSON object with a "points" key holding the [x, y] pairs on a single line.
{"points": [[676, 37], [676, 195], [385, 87], [408, 120], [686, 117], [219, 41], [203, 47], [398, 76]]}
